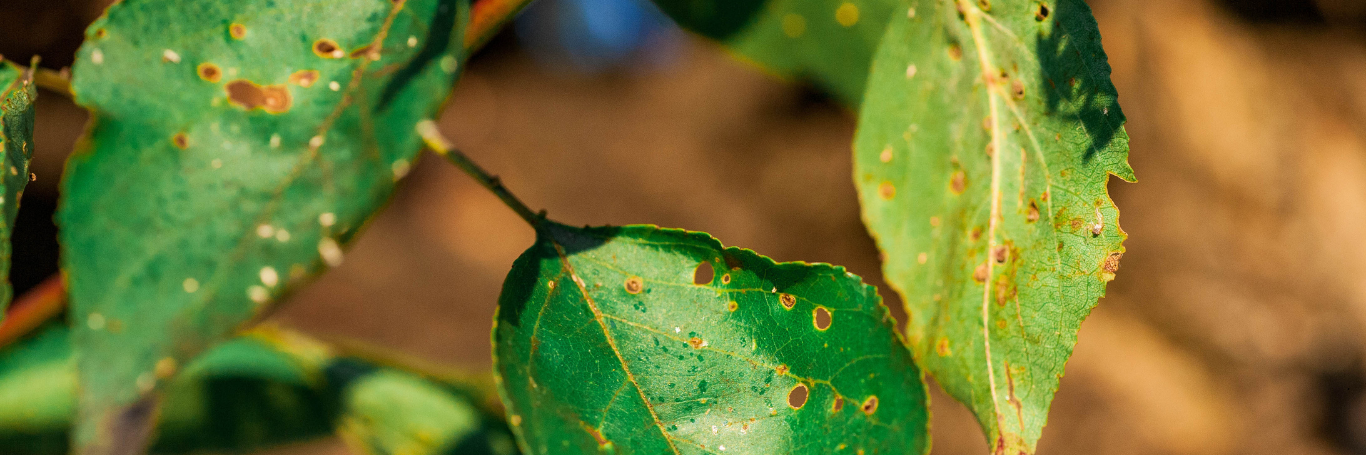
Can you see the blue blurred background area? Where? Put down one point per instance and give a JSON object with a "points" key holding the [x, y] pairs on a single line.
{"points": [[595, 36]]}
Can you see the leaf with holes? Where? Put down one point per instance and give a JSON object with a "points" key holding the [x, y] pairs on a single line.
{"points": [[648, 340], [262, 390], [232, 147], [829, 42], [17, 94], [981, 161]]}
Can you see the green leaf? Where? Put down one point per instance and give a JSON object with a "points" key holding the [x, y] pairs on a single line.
{"points": [[233, 146], [253, 392], [829, 42], [17, 94], [604, 342], [981, 160]]}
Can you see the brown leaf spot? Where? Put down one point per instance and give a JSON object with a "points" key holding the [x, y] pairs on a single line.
{"points": [[100, 33], [839, 404], [869, 405], [985, 5], [369, 51], [733, 306], [696, 343], [237, 31], [304, 78], [942, 347], [327, 48], [1033, 214], [886, 190], [1000, 254], [976, 234], [934, 221], [820, 317], [725, 279], [1076, 224], [1017, 89], [1111, 263], [274, 99], [1001, 324], [209, 72], [787, 300], [781, 370], [796, 398], [958, 182], [980, 274], [634, 285], [180, 141], [955, 52]]}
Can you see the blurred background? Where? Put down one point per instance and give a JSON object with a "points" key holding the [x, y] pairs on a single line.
{"points": [[1236, 323]]}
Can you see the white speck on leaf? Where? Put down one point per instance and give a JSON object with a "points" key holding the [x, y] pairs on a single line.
{"points": [[265, 231], [269, 276], [327, 219], [258, 294], [330, 251], [190, 285], [170, 56], [96, 57]]}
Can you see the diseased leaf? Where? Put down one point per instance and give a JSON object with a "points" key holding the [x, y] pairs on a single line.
{"points": [[17, 94], [265, 389], [829, 42], [233, 146], [613, 339], [981, 160]]}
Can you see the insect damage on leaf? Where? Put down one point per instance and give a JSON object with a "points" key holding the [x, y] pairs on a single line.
{"points": [[17, 94], [607, 338], [998, 123], [230, 155]]}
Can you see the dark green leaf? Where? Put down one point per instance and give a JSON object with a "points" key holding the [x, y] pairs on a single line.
{"points": [[982, 158], [829, 42], [604, 342], [232, 147], [258, 391], [17, 94]]}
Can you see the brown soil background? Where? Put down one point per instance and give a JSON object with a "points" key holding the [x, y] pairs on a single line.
{"points": [[1236, 323]]}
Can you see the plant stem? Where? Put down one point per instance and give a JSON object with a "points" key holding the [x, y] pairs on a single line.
{"points": [[439, 144], [31, 310], [487, 18]]}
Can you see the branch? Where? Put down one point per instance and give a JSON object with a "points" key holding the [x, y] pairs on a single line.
{"points": [[33, 309], [439, 144]]}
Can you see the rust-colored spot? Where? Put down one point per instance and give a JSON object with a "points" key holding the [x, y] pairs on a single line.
{"points": [[209, 72], [985, 5], [696, 343], [886, 190], [180, 141], [369, 51], [274, 99], [1076, 224], [634, 285], [820, 317], [1017, 89], [733, 306], [955, 52], [942, 347], [1001, 324], [725, 279], [1033, 214], [100, 33], [781, 370], [934, 221], [1042, 13], [1000, 254], [958, 183], [237, 31], [980, 274], [796, 398], [304, 78], [165, 368], [787, 300], [1111, 263], [839, 404], [869, 405], [991, 149], [976, 234], [327, 48], [986, 123]]}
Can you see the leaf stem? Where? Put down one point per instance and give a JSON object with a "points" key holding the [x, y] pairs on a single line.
{"points": [[439, 144], [31, 310], [487, 18]]}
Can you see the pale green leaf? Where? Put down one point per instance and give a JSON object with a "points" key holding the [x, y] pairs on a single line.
{"points": [[17, 94]]}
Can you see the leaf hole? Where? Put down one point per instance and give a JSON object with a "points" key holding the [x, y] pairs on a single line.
{"points": [[1042, 13], [796, 398], [704, 274], [820, 317]]}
